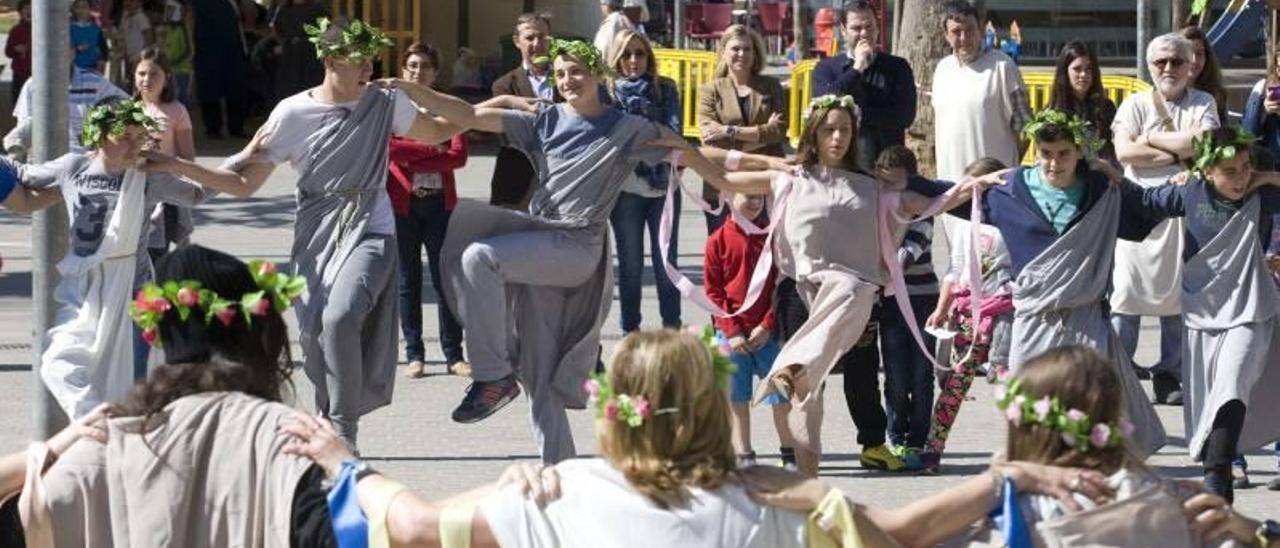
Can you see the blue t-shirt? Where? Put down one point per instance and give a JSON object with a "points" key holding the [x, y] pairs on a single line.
{"points": [[1058, 205], [8, 178], [85, 39]]}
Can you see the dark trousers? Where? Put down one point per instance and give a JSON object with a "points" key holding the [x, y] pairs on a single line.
{"points": [[632, 217], [16, 87], [424, 226], [1220, 448], [908, 373], [211, 113], [513, 175], [860, 365]]}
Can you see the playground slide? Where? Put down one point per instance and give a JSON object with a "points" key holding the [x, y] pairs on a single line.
{"points": [[1238, 26]]}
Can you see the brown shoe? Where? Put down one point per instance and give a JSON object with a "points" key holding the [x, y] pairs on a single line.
{"points": [[415, 369], [461, 369]]}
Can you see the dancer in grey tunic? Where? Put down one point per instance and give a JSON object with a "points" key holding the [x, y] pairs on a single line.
{"points": [[1229, 304], [549, 265], [1060, 220], [335, 136]]}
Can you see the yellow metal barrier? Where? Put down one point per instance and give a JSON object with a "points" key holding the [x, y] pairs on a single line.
{"points": [[400, 19], [690, 69]]}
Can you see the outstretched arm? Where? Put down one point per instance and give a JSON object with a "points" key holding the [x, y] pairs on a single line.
{"points": [[27, 200], [245, 174], [914, 204], [457, 112]]}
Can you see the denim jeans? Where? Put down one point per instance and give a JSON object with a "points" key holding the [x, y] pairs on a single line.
{"points": [[908, 373], [1126, 327], [424, 226], [631, 216]]}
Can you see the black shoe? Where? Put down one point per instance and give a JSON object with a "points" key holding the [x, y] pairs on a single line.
{"points": [[1141, 372], [1167, 388], [1218, 482], [485, 398], [788, 458], [1274, 484]]}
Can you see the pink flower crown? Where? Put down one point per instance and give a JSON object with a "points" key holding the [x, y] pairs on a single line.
{"points": [[1046, 412]]}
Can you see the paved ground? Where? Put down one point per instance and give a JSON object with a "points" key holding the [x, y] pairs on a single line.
{"points": [[414, 440]]}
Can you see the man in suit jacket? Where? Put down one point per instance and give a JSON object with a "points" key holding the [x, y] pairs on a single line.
{"points": [[513, 174], [883, 85]]}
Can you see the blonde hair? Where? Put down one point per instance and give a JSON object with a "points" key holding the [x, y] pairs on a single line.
{"points": [[740, 32], [670, 452], [1083, 379], [619, 46]]}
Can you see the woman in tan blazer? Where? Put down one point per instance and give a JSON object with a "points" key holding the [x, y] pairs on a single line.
{"points": [[740, 109]]}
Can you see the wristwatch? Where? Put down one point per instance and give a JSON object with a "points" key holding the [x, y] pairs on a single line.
{"points": [[1268, 533]]}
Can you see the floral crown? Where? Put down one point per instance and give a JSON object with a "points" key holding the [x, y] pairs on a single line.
{"points": [[275, 289], [833, 101], [1081, 131], [1072, 424], [113, 119], [1207, 153], [583, 52], [633, 410], [358, 41]]}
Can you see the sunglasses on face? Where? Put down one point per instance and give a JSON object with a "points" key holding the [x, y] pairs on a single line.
{"points": [[1173, 62]]}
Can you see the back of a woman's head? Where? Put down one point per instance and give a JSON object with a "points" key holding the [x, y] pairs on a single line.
{"points": [[242, 352], [685, 441], [1082, 380]]}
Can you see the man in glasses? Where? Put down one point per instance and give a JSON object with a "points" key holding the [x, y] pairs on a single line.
{"points": [[1153, 132]]}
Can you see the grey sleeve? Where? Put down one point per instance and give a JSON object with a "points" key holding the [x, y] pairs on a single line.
{"points": [[163, 187], [47, 174], [518, 128], [640, 150]]}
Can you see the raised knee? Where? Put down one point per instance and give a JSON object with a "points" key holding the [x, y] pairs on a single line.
{"points": [[479, 255]]}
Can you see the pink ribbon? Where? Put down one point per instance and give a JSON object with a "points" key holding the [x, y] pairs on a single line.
{"points": [[890, 204], [759, 276]]}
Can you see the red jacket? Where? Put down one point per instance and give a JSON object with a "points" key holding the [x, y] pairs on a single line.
{"points": [[409, 157], [731, 256], [20, 35]]}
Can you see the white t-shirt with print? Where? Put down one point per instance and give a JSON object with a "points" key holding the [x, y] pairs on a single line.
{"points": [[294, 128]]}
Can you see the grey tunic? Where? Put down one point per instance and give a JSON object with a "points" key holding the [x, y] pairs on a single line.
{"points": [[1229, 305], [1057, 299]]}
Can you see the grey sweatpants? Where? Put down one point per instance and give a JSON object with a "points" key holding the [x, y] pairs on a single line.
{"points": [[544, 265], [355, 304]]}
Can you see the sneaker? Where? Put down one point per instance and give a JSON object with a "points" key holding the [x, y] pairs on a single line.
{"points": [[746, 459], [910, 458], [880, 458], [1240, 477], [930, 463], [415, 369], [1141, 372], [1167, 388], [460, 368], [485, 398], [1274, 484], [789, 458]]}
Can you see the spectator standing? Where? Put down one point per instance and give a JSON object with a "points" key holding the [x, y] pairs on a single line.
{"points": [[1153, 132], [640, 91], [1206, 73], [174, 37], [87, 87], [1262, 114], [979, 99], [883, 85], [297, 68], [18, 47], [513, 173], [739, 109], [614, 20], [135, 29], [221, 63], [1077, 89], [153, 82], [87, 38], [423, 192]]}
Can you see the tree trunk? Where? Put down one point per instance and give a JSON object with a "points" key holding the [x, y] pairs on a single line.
{"points": [[922, 44], [1179, 14]]}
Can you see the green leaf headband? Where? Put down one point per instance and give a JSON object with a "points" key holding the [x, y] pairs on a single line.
{"points": [[358, 41], [275, 290], [583, 52], [1073, 425], [1207, 153], [633, 410], [113, 120], [833, 101], [1081, 131]]}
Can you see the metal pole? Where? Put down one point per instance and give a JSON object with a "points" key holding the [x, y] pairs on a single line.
{"points": [[1142, 39], [51, 77], [897, 23], [677, 21]]}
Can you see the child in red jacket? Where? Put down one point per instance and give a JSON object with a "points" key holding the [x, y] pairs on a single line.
{"points": [[731, 256]]}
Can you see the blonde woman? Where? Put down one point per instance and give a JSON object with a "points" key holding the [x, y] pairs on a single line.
{"points": [[740, 109], [637, 89], [667, 476]]}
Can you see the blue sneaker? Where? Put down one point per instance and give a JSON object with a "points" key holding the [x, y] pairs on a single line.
{"points": [[910, 456]]}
